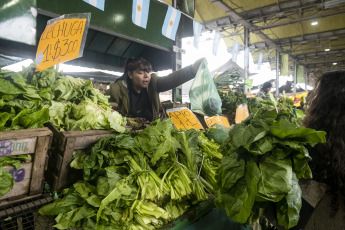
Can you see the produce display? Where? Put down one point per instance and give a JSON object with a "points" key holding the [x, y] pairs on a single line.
{"points": [[263, 159], [231, 100], [138, 180], [29, 99]]}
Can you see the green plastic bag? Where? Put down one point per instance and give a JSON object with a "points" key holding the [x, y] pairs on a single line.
{"points": [[203, 95]]}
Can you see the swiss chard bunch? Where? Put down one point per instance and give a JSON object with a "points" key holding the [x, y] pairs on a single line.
{"points": [[263, 159]]}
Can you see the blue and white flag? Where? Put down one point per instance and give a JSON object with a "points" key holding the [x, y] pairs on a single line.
{"points": [[246, 57], [96, 3], [171, 21], [216, 40], [261, 56], [197, 27], [140, 12], [235, 49]]}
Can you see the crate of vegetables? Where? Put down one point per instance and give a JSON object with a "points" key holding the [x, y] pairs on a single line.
{"points": [[23, 157], [59, 174]]}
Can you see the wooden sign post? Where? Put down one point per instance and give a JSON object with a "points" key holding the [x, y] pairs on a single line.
{"points": [[184, 118], [62, 40]]}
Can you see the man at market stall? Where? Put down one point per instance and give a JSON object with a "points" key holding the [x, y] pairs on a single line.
{"points": [[136, 93], [263, 92]]}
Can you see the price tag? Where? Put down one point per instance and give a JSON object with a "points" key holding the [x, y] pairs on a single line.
{"points": [[241, 113], [61, 41], [221, 120], [184, 118]]}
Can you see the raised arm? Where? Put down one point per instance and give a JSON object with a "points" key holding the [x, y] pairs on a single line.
{"points": [[178, 77]]}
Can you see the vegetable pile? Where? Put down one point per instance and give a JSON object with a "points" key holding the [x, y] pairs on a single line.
{"points": [[29, 99], [263, 159], [231, 100], [138, 180]]}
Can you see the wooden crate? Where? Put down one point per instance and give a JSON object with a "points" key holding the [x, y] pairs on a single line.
{"points": [[30, 180], [59, 174]]}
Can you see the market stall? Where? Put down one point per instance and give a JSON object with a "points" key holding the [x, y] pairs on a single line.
{"points": [[225, 159]]}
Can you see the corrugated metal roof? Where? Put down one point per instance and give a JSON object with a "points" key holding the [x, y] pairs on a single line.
{"points": [[287, 24]]}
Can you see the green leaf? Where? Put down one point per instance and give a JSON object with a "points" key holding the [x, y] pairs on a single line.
{"points": [[284, 129], [289, 207], [6, 87], [239, 200], [231, 170], [276, 178], [261, 146], [6, 182], [242, 134]]}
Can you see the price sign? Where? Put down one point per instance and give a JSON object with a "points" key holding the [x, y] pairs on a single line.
{"points": [[221, 120], [61, 41], [241, 113], [184, 118]]}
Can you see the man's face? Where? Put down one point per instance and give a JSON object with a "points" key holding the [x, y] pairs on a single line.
{"points": [[140, 79], [269, 89]]}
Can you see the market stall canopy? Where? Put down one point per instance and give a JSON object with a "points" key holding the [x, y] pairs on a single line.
{"points": [[289, 26], [111, 38]]}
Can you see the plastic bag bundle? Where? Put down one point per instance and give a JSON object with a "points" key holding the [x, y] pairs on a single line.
{"points": [[203, 95]]}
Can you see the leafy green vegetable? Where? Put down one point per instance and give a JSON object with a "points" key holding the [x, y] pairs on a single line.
{"points": [[263, 158], [138, 180]]}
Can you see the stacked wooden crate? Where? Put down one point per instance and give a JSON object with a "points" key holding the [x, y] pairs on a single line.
{"points": [[59, 174], [29, 179]]}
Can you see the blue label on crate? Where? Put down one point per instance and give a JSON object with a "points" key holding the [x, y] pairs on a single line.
{"points": [[5, 148], [17, 175]]}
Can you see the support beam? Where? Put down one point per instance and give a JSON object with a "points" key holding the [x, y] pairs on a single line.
{"points": [[277, 72], [246, 67], [294, 77]]}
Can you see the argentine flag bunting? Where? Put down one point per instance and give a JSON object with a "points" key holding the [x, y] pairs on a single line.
{"points": [[216, 40], [260, 60], [197, 27], [171, 21], [96, 3], [140, 12], [235, 49]]}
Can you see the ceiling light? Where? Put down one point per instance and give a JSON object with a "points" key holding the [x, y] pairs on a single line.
{"points": [[327, 50], [314, 23], [335, 63]]}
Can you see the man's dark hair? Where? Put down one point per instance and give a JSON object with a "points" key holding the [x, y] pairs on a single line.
{"points": [[267, 85]]}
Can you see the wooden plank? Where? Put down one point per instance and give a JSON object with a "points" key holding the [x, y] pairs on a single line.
{"points": [[65, 168], [22, 179], [87, 133], [17, 146], [36, 185], [83, 142], [51, 179], [55, 162], [25, 133]]}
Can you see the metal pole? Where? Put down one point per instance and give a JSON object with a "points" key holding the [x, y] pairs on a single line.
{"points": [[306, 79], [246, 58], [277, 73], [295, 77]]}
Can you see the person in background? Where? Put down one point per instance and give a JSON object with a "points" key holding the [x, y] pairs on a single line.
{"points": [[136, 93], [324, 196], [263, 92]]}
